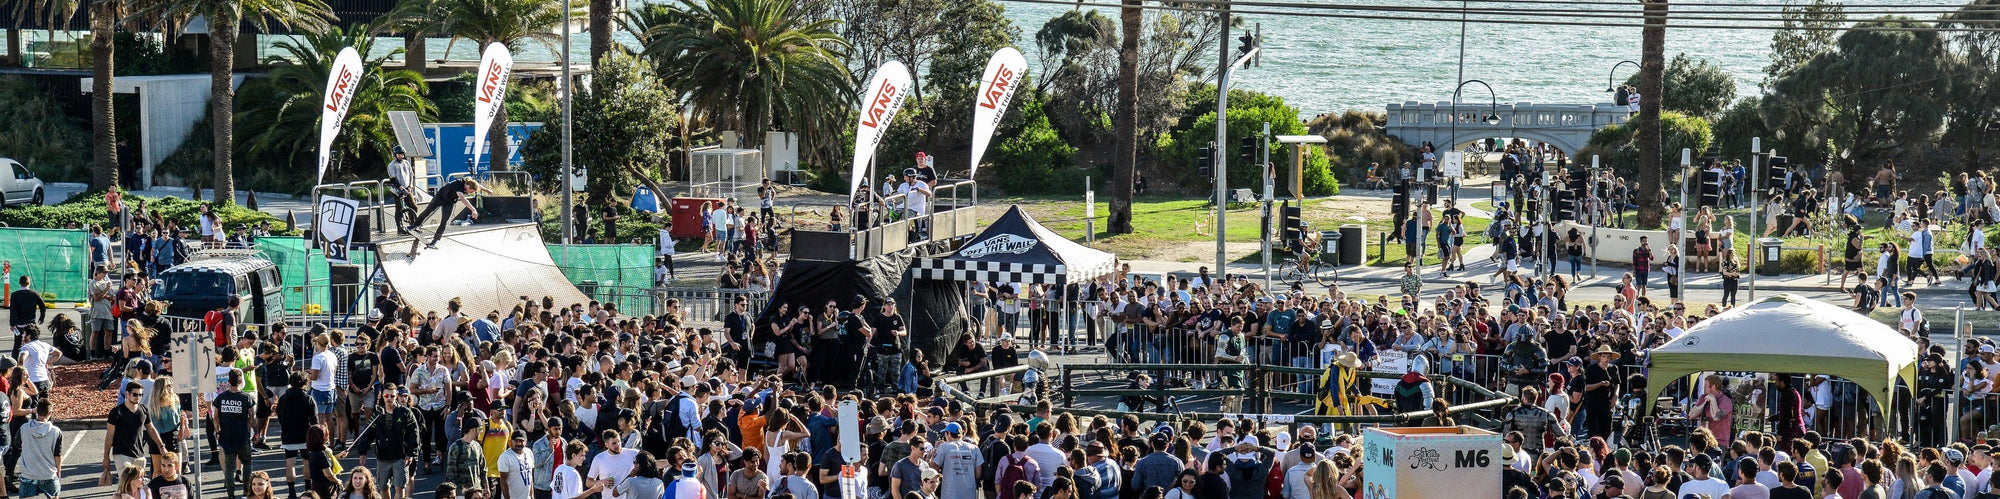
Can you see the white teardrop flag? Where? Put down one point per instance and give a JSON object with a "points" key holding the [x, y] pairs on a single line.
{"points": [[996, 91], [878, 108], [341, 80], [490, 95]]}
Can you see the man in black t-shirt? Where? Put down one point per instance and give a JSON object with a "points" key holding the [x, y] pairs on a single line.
{"points": [[361, 371], [232, 420], [855, 333], [457, 191], [736, 326], [127, 425], [887, 347]]}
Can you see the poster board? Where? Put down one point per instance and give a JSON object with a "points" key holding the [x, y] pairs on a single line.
{"points": [[1452, 163], [1459, 461], [1392, 362]]}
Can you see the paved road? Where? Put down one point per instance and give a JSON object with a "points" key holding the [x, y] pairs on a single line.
{"points": [[84, 451]]}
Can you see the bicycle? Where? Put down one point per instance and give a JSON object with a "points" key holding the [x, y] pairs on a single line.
{"points": [[1306, 265]]}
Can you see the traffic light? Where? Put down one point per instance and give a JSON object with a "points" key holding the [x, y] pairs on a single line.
{"points": [[1711, 188], [1565, 206], [1291, 222], [1247, 149], [1204, 158], [1774, 173], [1248, 41], [1399, 206], [1578, 181]]}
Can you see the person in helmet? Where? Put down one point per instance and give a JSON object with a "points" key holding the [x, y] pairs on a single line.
{"points": [[400, 178]]}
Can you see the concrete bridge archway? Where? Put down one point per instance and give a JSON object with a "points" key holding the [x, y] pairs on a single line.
{"points": [[1566, 126]]}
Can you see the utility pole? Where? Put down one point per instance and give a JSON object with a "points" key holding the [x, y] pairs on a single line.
{"points": [[1756, 201], [1680, 278], [568, 168], [1270, 178], [1250, 50], [1596, 215]]}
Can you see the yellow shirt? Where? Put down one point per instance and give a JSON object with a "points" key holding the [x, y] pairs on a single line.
{"points": [[495, 441]]}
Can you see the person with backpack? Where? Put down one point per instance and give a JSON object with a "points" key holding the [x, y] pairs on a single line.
{"points": [[465, 460], [1016, 466], [679, 417]]}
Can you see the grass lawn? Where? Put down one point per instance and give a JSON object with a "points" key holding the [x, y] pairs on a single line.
{"points": [[1393, 254], [1159, 224]]}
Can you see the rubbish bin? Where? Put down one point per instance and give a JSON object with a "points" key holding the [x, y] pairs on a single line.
{"points": [[1768, 251], [1353, 241], [1329, 247], [588, 288]]}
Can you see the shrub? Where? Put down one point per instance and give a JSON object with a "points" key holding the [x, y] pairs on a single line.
{"points": [[88, 209]]}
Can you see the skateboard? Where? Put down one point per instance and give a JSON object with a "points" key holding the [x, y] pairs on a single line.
{"points": [[421, 233]]}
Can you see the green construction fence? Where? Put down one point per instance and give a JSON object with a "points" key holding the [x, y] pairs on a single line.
{"points": [[290, 255], [609, 272], [57, 260]]}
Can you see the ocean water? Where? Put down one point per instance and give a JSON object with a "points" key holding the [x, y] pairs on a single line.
{"points": [[1327, 65]]}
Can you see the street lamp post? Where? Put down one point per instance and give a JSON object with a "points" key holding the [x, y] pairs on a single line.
{"points": [[1596, 215], [1221, 160], [1608, 79], [1492, 115]]}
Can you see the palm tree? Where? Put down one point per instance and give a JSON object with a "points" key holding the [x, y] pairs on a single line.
{"points": [[105, 16], [284, 107], [508, 22], [1125, 157], [1652, 65], [225, 18], [750, 64]]}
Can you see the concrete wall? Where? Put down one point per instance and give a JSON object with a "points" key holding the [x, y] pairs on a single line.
{"points": [[169, 107]]}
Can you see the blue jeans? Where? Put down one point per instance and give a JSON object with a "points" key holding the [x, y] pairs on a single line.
{"points": [[1891, 292], [32, 487]]}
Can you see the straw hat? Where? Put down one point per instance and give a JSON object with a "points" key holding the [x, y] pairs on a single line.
{"points": [[1605, 350], [1348, 360]]}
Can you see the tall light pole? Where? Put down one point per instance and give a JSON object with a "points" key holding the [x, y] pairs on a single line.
{"points": [[1250, 50], [568, 168], [1492, 109]]}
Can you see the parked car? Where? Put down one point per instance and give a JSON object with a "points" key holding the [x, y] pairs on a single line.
{"points": [[18, 185]]}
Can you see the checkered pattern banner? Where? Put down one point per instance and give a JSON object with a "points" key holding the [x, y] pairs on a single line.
{"points": [[970, 270]]}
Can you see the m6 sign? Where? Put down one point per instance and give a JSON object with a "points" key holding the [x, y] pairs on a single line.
{"points": [[1457, 461]]}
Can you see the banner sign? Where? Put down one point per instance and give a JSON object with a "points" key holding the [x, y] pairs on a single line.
{"points": [[878, 109], [1389, 361], [193, 354], [335, 226], [489, 94], [996, 91], [341, 81], [1453, 164]]}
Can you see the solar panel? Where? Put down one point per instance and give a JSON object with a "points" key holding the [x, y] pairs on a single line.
{"points": [[410, 133]]}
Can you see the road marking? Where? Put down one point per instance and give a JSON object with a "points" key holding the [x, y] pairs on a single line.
{"points": [[71, 447]]}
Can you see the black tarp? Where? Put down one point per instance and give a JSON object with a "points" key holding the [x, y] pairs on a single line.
{"points": [[934, 311]]}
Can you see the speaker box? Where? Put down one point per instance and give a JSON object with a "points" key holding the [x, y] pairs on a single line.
{"points": [[345, 281], [508, 208]]}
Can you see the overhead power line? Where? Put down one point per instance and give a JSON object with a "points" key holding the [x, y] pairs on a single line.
{"points": [[1518, 19]]}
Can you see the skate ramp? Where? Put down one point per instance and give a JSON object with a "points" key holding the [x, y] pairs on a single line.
{"points": [[488, 267]]}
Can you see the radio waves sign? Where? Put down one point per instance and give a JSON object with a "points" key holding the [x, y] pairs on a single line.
{"points": [[490, 95], [878, 109], [996, 90], [341, 81], [1004, 243]]}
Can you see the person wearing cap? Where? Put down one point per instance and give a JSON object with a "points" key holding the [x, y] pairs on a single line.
{"points": [[1697, 467], [916, 203], [1934, 390], [516, 467], [1954, 461], [548, 454], [958, 464], [1296, 486], [465, 460], [885, 358], [399, 181], [1159, 468], [1109, 475], [1611, 487]]}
